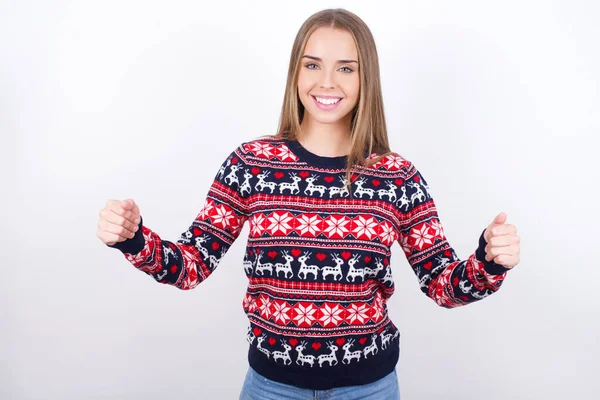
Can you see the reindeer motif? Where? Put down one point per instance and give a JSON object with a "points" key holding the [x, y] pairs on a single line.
{"points": [[463, 286], [285, 267], [360, 190], [293, 187], [423, 280], [284, 355], [350, 355], [259, 340], [246, 184], [214, 261], [314, 188], [262, 267], [443, 261], [480, 296], [341, 190], [380, 267], [372, 348], [261, 184], [223, 167], [403, 201], [331, 358], [200, 240], [186, 237], [335, 271], [309, 359], [418, 195], [353, 272], [390, 191], [160, 276], [307, 269], [247, 264], [166, 251], [385, 339], [388, 276], [370, 272], [232, 176]]}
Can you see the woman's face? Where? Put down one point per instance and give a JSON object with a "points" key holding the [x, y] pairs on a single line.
{"points": [[328, 78]]}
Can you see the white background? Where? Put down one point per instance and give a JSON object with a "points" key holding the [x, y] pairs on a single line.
{"points": [[496, 103]]}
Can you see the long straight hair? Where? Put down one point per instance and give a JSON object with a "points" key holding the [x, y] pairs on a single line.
{"points": [[368, 131]]}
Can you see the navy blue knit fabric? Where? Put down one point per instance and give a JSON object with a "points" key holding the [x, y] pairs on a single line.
{"points": [[318, 258]]}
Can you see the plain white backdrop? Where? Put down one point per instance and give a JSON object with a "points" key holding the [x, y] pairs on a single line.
{"points": [[496, 103]]}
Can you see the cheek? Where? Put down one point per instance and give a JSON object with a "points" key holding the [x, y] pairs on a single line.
{"points": [[304, 83], [353, 90]]}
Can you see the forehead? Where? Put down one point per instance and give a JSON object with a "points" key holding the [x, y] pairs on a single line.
{"points": [[329, 43]]}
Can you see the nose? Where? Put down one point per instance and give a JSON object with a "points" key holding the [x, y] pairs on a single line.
{"points": [[327, 80]]}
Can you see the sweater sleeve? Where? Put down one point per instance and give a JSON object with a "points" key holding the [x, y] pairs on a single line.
{"points": [[442, 276], [198, 251]]}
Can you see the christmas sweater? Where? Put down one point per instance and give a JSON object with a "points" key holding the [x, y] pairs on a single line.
{"points": [[318, 258]]}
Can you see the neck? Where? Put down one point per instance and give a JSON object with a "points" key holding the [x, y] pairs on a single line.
{"points": [[326, 140]]}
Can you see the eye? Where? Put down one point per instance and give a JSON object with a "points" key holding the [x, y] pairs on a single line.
{"points": [[348, 69], [309, 64]]}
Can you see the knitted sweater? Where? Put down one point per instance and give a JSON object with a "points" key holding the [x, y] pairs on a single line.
{"points": [[318, 258]]}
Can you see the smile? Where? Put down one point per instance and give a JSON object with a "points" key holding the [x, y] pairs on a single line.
{"points": [[327, 103]]}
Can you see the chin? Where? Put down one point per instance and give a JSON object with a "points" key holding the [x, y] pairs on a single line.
{"points": [[321, 116]]}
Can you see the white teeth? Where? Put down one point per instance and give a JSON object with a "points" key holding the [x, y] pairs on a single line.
{"points": [[327, 101]]}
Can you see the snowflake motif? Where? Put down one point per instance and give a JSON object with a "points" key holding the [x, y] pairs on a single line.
{"points": [[308, 224], [256, 225], [336, 226], [365, 227], [206, 209], [437, 228], [262, 149], [304, 314], [388, 234], [405, 244], [222, 216], [265, 307], [280, 310], [280, 222], [331, 315], [393, 162], [285, 154], [357, 313], [377, 308], [249, 303], [421, 236]]}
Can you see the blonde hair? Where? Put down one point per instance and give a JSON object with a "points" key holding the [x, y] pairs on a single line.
{"points": [[368, 131]]}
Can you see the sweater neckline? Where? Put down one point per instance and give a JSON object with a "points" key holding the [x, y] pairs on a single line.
{"points": [[311, 158]]}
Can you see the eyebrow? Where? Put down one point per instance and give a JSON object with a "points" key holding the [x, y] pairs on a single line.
{"points": [[339, 61]]}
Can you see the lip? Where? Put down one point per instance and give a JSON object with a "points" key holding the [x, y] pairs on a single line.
{"points": [[326, 96], [327, 107]]}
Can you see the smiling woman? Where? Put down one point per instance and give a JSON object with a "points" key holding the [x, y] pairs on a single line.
{"points": [[325, 199]]}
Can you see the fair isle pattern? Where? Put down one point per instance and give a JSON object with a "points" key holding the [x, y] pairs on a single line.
{"points": [[318, 256]]}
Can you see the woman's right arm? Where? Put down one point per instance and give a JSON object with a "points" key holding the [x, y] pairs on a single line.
{"points": [[198, 251]]}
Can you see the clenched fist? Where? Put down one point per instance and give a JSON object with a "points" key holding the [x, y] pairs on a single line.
{"points": [[118, 221]]}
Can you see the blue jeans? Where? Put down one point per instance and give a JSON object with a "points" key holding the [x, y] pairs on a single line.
{"points": [[257, 387]]}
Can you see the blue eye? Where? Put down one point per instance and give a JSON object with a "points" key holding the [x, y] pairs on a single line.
{"points": [[347, 70]]}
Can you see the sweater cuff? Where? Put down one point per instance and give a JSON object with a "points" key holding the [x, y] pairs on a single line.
{"points": [[490, 266], [133, 245]]}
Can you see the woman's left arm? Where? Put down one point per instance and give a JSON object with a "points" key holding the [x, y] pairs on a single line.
{"points": [[443, 277]]}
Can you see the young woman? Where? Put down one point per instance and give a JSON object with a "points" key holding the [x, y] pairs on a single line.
{"points": [[325, 199]]}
